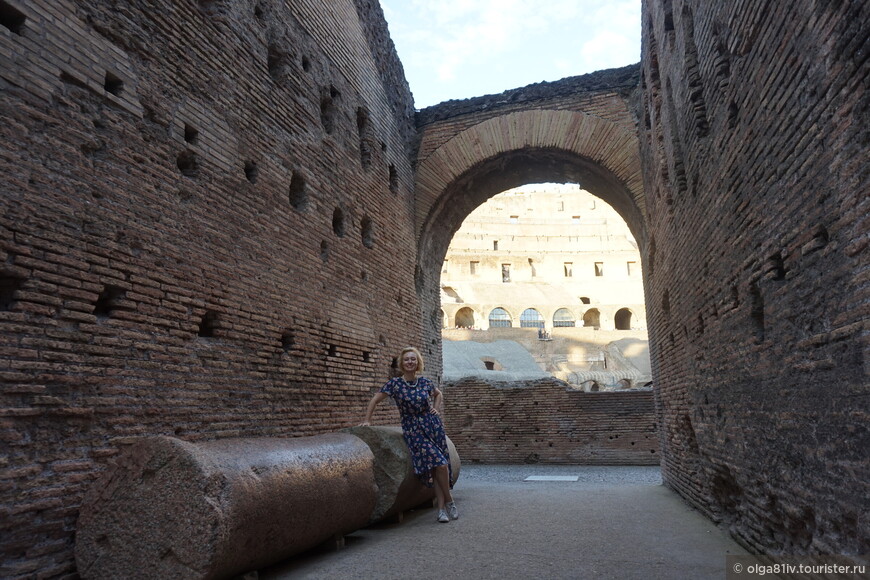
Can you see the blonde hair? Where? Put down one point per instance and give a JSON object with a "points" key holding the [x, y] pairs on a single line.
{"points": [[407, 349]]}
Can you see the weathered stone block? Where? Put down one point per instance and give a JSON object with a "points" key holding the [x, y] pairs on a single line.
{"points": [[398, 488], [173, 509]]}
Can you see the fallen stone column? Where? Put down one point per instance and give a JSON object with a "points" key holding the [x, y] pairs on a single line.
{"points": [[398, 488], [173, 509]]}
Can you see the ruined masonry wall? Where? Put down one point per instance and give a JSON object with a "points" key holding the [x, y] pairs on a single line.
{"points": [[545, 422], [754, 142], [205, 232]]}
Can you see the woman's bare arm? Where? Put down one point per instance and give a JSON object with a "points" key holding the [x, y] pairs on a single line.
{"points": [[371, 408]]}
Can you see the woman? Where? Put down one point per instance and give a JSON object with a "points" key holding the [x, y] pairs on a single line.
{"points": [[418, 399]]}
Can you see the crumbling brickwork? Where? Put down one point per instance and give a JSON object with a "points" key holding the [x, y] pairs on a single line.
{"points": [[205, 232], [544, 421], [754, 142]]}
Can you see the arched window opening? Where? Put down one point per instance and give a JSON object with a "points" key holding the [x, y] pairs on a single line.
{"points": [[465, 318], [563, 319], [585, 300], [623, 319], [500, 318], [592, 318], [491, 364], [531, 318]]}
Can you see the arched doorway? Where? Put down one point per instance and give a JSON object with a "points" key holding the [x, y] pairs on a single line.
{"points": [[622, 319], [592, 318], [465, 318]]}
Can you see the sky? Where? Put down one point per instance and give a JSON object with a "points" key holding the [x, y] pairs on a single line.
{"points": [[456, 49]]}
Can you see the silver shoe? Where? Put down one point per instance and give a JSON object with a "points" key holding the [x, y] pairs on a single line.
{"points": [[442, 517], [452, 511]]}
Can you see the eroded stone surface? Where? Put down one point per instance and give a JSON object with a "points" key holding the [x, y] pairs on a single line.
{"points": [[173, 509]]}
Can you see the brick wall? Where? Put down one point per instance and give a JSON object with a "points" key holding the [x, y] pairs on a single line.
{"points": [[754, 141], [205, 229], [546, 422]]}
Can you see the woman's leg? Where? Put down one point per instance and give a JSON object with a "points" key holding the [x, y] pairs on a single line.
{"points": [[442, 485], [439, 493]]}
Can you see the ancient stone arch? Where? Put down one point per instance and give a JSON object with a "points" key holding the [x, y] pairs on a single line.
{"points": [[488, 149]]}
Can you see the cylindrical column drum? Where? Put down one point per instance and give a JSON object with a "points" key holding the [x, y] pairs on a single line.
{"points": [[173, 509], [398, 488]]}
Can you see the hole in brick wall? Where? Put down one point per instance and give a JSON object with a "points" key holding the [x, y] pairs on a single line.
{"points": [[107, 301], [364, 276], [324, 251], [306, 64], [298, 191], [367, 231], [394, 180], [258, 11], [113, 84], [191, 135], [366, 356], [208, 324], [338, 222], [700, 325], [12, 18], [774, 267], [666, 302], [251, 171], [820, 240], [328, 110], [333, 350], [8, 286], [733, 114], [287, 341], [188, 163], [362, 125], [735, 297], [669, 16]]}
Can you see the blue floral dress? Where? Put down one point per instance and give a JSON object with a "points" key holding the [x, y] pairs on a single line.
{"points": [[422, 429]]}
